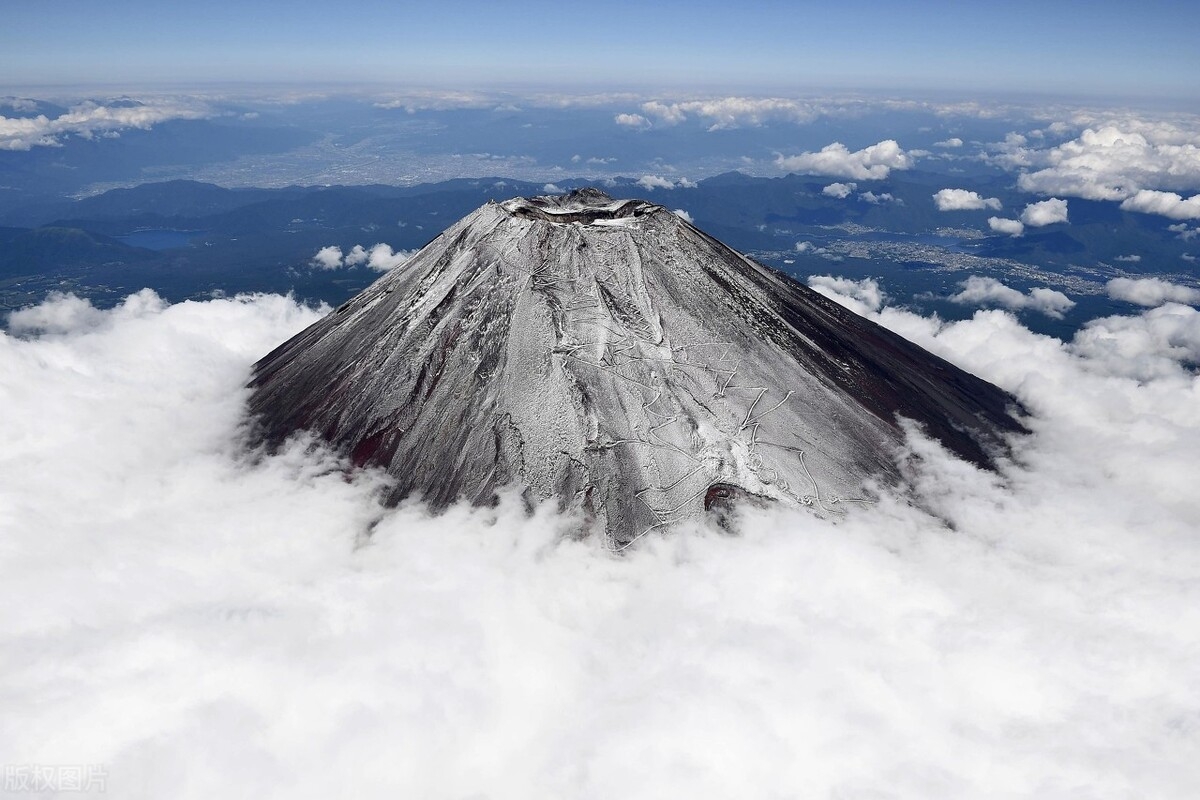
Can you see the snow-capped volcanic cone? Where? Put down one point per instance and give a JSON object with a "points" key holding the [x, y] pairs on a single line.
{"points": [[607, 354]]}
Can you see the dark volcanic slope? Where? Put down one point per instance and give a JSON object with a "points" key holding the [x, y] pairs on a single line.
{"points": [[611, 355]]}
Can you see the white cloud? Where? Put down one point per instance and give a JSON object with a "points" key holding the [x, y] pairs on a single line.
{"points": [[1183, 231], [22, 105], [170, 596], [839, 190], [1012, 227], [380, 257], [953, 141], [1012, 152], [1151, 291], [1047, 212], [666, 114], [328, 258], [1149, 346], [63, 314], [732, 112], [858, 296], [551, 188], [964, 200], [803, 247], [632, 120], [1114, 161], [437, 100], [685, 216], [1132, 258], [652, 182], [1168, 204], [980, 291], [871, 163], [90, 119], [882, 198], [723, 112]]}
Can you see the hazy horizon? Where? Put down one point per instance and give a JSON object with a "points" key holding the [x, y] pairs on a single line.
{"points": [[1023, 47]]}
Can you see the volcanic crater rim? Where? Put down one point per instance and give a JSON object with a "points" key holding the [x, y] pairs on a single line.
{"points": [[587, 206]]}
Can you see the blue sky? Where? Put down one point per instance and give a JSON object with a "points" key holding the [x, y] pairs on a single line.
{"points": [[1101, 48]]}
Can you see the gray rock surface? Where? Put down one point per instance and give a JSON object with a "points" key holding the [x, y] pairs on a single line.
{"points": [[611, 356]]}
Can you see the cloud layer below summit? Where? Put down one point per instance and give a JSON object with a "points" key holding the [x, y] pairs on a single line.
{"points": [[168, 594]]}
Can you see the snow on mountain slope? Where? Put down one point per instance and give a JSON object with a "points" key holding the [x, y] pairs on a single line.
{"points": [[609, 355]]}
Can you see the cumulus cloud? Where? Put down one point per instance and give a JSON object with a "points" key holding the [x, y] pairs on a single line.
{"points": [[1168, 204], [1151, 291], [859, 296], [632, 120], [552, 188], [652, 182], [980, 291], [67, 313], [666, 114], [964, 200], [1013, 227], [166, 595], [1012, 152], [328, 258], [839, 190], [871, 163], [1114, 162], [953, 141], [90, 119], [882, 198], [685, 216], [1182, 231], [1149, 346], [380, 257], [1047, 212]]}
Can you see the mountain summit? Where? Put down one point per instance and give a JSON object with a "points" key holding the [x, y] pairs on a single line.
{"points": [[610, 356]]}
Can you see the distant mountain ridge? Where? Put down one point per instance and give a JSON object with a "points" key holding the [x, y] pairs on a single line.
{"points": [[264, 239]]}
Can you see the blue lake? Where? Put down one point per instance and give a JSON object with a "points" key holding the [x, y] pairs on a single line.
{"points": [[159, 239]]}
